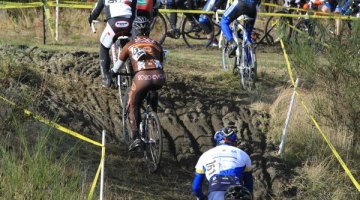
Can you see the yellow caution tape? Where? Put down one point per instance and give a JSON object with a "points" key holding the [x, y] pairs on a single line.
{"points": [[186, 11], [71, 5], [12, 5], [342, 163], [54, 125], [284, 7], [329, 16], [70, 132]]}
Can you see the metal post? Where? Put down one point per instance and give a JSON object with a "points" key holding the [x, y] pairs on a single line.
{"points": [[283, 137], [44, 29], [57, 21], [102, 166]]}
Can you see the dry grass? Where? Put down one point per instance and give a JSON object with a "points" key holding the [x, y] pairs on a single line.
{"points": [[320, 175]]}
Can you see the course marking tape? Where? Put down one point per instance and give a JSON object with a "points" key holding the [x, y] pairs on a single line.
{"points": [[12, 5], [67, 4], [342, 163], [70, 132], [54, 125]]}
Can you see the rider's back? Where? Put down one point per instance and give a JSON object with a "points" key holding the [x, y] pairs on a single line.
{"points": [[144, 53], [114, 8]]}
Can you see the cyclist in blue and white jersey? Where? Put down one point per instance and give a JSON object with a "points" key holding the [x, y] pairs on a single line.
{"points": [[119, 17], [211, 5], [238, 8], [223, 166]]}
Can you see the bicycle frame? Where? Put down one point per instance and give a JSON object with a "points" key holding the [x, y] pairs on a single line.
{"points": [[245, 56], [245, 42]]}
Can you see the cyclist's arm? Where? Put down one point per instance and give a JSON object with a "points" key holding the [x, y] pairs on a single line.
{"points": [[97, 9], [247, 173], [197, 184], [343, 6], [124, 54], [248, 181]]}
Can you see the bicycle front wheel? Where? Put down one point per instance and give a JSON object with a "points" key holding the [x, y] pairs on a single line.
{"points": [[124, 81], [194, 34], [153, 142], [158, 28]]}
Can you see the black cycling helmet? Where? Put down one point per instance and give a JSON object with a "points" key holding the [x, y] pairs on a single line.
{"points": [[237, 192], [142, 26], [227, 135]]}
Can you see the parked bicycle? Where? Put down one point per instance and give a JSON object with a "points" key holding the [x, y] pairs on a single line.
{"points": [[244, 62]]}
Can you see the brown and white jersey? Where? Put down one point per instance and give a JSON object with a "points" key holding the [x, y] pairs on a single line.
{"points": [[144, 53]]}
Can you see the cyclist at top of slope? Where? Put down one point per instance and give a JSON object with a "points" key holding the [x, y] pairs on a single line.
{"points": [[146, 57], [147, 8], [236, 9], [223, 166], [119, 17], [328, 6], [178, 4], [211, 5]]}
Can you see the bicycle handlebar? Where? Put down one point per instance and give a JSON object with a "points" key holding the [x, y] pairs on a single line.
{"points": [[93, 25]]}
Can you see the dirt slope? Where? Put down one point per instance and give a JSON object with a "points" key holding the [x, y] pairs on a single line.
{"points": [[190, 110]]}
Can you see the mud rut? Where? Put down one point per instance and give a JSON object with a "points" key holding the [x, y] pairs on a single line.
{"points": [[190, 111]]}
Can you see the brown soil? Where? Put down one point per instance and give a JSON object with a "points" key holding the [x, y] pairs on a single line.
{"points": [[191, 110]]}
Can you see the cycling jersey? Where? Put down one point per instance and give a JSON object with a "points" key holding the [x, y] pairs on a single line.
{"points": [[145, 53], [223, 166], [146, 56], [146, 7], [238, 8], [114, 8]]}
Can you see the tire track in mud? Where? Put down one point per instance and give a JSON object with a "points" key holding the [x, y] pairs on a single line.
{"points": [[189, 113]]}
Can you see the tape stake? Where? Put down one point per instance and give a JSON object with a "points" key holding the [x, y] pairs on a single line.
{"points": [[91, 193], [333, 150]]}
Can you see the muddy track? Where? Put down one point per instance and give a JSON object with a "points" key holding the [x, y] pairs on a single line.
{"points": [[190, 111]]}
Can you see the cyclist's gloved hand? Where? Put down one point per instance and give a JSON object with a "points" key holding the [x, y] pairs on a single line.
{"points": [[90, 19]]}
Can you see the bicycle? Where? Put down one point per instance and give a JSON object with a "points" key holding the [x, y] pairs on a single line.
{"points": [[244, 62], [150, 134], [192, 33], [123, 79], [277, 28]]}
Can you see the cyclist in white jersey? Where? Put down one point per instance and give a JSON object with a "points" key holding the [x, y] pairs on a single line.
{"points": [[223, 166], [119, 18]]}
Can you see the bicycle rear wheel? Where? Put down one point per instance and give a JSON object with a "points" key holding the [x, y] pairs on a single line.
{"points": [[193, 33], [248, 68], [153, 142], [126, 128], [158, 28], [277, 28]]}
